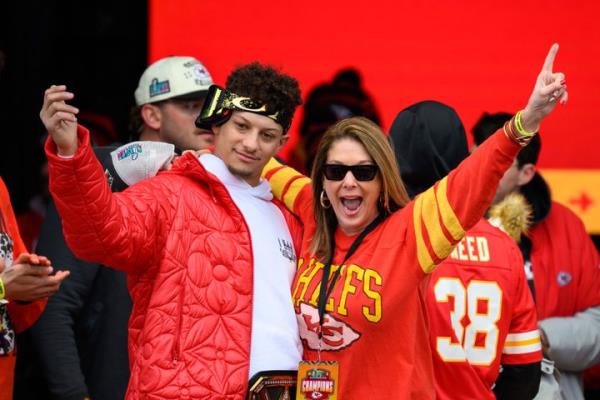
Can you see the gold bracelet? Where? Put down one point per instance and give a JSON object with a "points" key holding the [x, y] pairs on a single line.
{"points": [[520, 128]]}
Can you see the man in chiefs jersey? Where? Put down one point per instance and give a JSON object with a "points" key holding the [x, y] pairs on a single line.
{"points": [[483, 329], [562, 267]]}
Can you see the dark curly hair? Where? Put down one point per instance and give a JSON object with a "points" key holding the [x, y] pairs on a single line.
{"points": [[265, 83]]}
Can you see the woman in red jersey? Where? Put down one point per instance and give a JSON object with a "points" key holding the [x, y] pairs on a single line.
{"points": [[366, 250]]}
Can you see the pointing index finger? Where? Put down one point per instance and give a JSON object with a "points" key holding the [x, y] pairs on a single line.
{"points": [[549, 62]]}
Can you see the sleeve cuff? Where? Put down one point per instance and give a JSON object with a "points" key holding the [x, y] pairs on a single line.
{"points": [[83, 140]]}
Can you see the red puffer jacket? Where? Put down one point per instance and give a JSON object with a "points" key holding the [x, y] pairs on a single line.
{"points": [[187, 250]]}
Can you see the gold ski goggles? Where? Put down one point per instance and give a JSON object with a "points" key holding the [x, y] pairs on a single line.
{"points": [[221, 103]]}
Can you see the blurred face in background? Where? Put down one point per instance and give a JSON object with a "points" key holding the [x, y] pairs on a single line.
{"points": [[177, 124], [513, 178]]}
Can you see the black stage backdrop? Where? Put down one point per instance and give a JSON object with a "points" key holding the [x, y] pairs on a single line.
{"points": [[97, 48]]}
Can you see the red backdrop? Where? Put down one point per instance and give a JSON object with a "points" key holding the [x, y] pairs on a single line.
{"points": [[474, 56]]}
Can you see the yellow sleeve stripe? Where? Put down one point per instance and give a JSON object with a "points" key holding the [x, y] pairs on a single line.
{"points": [[291, 194], [449, 218], [522, 343], [272, 165], [279, 181], [286, 183], [442, 227], [423, 255], [278, 176], [440, 244]]}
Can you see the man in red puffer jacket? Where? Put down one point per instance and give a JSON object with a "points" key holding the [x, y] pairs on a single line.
{"points": [[192, 239]]}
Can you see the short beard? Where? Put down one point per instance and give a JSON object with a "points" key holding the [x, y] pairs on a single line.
{"points": [[241, 173]]}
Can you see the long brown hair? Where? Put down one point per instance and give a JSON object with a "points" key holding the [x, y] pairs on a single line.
{"points": [[368, 134]]}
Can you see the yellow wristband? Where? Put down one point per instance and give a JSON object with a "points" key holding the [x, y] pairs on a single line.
{"points": [[2, 290], [519, 126]]}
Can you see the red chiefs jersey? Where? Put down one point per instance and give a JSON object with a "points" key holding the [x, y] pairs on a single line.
{"points": [[375, 324], [481, 314]]}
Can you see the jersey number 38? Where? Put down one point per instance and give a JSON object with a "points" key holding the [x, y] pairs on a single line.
{"points": [[481, 303]]}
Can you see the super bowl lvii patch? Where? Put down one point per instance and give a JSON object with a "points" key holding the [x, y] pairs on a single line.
{"points": [[317, 380]]}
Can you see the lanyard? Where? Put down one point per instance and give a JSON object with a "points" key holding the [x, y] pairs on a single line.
{"points": [[325, 291]]}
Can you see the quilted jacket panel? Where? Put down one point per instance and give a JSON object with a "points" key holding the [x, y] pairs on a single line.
{"points": [[188, 255]]}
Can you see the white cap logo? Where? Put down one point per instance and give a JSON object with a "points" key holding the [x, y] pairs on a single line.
{"points": [[172, 77], [137, 161]]}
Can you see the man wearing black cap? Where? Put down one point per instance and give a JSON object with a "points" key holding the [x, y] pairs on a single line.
{"points": [[209, 256], [80, 341], [561, 264], [481, 314]]}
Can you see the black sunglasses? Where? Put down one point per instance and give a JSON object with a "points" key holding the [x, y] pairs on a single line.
{"points": [[337, 172]]}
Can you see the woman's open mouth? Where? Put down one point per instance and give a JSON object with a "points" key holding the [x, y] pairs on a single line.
{"points": [[351, 205]]}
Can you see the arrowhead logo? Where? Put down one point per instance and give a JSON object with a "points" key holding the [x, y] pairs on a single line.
{"points": [[337, 334]]}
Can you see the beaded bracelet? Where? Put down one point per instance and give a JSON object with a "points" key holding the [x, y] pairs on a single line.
{"points": [[520, 128], [511, 132]]}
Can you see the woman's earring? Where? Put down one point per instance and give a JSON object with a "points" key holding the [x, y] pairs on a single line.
{"points": [[324, 200]]}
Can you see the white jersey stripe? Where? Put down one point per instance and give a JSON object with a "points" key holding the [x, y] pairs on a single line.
{"points": [[531, 348], [519, 337]]}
